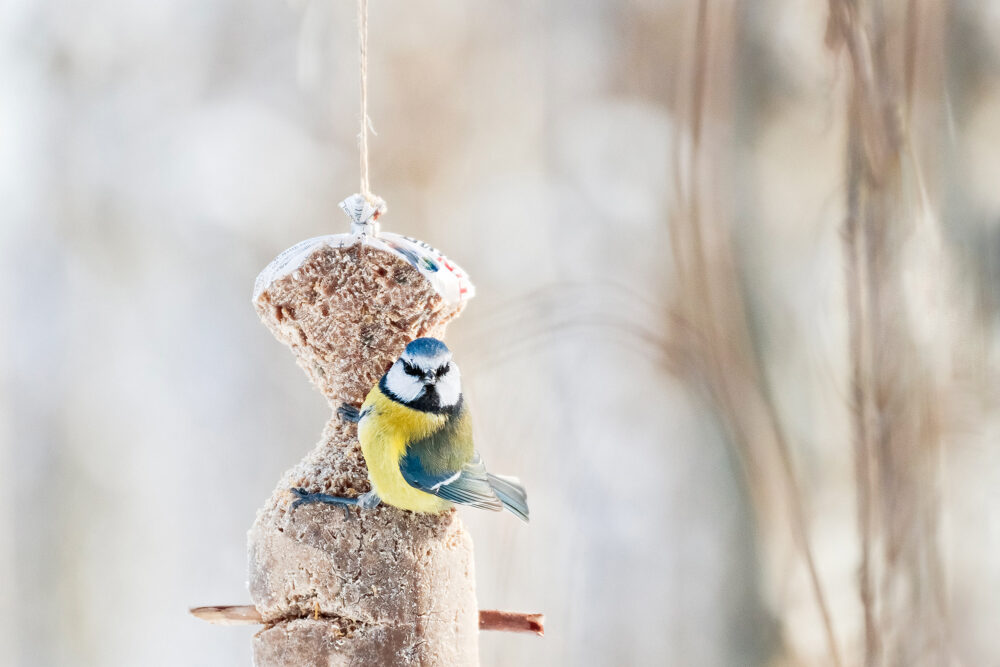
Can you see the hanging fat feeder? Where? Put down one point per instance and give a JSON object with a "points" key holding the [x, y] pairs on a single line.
{"points": [[382, 586]]}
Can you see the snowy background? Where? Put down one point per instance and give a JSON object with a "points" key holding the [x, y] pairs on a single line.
{"points": [[155, 156]]}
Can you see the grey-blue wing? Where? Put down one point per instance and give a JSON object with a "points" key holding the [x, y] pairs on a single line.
{"points": [[446, 464], [468, 486]]}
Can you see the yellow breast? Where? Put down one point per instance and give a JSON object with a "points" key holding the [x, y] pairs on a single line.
{"points": [[384, 433]]}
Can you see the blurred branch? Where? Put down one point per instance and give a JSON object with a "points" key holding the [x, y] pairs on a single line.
{"points": [[716, 352], [896, 420], [859, 388]]}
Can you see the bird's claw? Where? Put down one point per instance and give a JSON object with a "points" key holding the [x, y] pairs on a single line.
{"points": [[301, 497], [368, 501]]}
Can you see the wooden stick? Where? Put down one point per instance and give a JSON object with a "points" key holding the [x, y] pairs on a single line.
{"points": [[229, 615], [489, 619], [511, 621]]}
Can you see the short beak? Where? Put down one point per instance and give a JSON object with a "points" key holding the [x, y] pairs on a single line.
{"points": [[430, 378]]}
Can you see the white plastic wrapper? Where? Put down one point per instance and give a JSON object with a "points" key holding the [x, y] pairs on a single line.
{"points": [[447, 277]]}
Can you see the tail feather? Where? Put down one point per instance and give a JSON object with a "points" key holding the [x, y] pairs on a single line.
{"points": [[511, 494]]}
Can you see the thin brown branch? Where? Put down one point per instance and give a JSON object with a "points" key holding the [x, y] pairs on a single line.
{"points": [[511, 621], [859, 398], [245, 614], [911, 43], [489, 619], [700, 72]]}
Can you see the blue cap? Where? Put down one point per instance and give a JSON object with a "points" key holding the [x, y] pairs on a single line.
{"points": [[426, 347]]}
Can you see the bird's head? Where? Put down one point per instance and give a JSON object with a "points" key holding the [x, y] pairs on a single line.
{"points": [[424, 377]]}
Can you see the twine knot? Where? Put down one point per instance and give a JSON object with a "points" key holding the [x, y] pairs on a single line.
{"points": [[364, 213]]}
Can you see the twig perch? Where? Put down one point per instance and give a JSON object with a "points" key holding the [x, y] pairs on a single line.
{"points": [[511, 621], [237, 614], [489, 619]]}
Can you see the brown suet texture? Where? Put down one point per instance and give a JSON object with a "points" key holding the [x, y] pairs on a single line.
{"points": [[381, 586]]}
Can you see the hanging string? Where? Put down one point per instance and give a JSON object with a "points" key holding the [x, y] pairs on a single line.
{"points": [[363, 41], [365, 207], [365, 121]]}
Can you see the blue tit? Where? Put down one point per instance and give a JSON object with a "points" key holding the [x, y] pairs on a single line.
{"points": [[416, 437]]}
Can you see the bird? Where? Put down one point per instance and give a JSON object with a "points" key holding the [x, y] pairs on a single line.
{"points": [[416, 437]]}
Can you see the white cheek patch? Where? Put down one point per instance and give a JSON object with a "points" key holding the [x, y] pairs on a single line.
{"points": [[449, 387], [406, 387]]}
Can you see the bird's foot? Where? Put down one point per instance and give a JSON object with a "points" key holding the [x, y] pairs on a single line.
{"points": [[303, 497], [364, 501]]}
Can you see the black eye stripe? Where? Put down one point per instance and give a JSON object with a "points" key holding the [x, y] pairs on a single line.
{"points": [[444, 369], [410, 369]]}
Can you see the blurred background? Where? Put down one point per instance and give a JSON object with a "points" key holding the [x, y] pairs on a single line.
{"points": [[736, 324]]}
